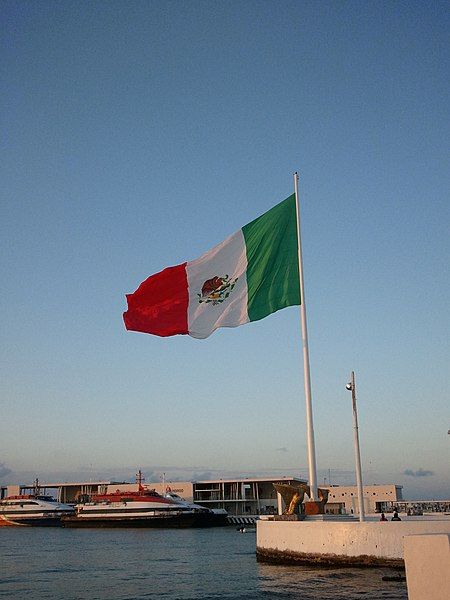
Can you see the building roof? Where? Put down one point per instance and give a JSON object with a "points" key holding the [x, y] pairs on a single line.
{"points": [[71, 483], [252, 480]]}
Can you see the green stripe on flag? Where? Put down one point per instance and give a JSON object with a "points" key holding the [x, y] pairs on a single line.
{"points": [[272, 255]]}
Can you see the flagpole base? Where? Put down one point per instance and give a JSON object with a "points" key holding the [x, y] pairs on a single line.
{"points": [[314, 508]]}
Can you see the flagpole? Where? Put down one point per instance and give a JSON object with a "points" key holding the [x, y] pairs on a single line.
{"points": [[359, 483], [307, 377]]}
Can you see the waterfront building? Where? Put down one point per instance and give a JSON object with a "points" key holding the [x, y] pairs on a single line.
{"points": [[246, 496], [250, 496], [65, 492], [257, 496], [343, 499], [239, 497]]}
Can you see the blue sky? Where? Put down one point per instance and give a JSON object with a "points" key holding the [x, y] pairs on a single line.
{"points": [[137, 135]]}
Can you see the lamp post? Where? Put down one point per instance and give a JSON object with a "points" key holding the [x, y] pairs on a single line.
{"points": [[352, 388]]}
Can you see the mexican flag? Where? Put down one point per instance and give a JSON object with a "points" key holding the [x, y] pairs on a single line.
{"points": [[251, 274]]}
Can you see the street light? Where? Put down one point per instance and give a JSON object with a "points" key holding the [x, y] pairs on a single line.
{"points": [[351, 387]]}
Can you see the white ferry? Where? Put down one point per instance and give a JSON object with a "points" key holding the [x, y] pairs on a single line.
{"points": [[141, 508], [33, 510]]}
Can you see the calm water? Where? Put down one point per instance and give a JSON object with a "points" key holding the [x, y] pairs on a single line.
{"points": [[73, 564]]}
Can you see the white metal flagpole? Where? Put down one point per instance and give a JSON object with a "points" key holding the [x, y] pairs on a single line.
{"points": [[307, 377], [358, 469]]}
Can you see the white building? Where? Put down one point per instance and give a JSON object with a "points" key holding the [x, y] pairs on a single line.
{"points": [[343, 499], [239, 497], [257, 496]]}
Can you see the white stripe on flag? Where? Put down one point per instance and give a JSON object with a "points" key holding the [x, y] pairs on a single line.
{"points": [[226, 259]]}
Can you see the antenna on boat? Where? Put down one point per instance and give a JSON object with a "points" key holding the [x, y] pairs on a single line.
{"points": [[139, 479], [36, 487]]}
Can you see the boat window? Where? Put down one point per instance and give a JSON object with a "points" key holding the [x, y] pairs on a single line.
{"points": [[20, 503]]}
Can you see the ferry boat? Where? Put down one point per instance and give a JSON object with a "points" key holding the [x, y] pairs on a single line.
{"points": [[33, 510], [141, 508]]}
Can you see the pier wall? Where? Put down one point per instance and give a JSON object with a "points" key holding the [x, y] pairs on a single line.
{"points": [[348, 543], [427, 562]]}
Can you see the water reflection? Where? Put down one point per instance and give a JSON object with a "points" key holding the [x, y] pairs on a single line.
{"points": [[308, 583], [50, 564]]}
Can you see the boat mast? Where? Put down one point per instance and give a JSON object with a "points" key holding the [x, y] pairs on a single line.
{"points": [[139, 480]]}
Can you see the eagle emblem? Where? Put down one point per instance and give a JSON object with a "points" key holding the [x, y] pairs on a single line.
{"points": [[216, 290]]}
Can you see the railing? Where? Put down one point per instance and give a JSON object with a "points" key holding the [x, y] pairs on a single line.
{"points": [[200, 496]]}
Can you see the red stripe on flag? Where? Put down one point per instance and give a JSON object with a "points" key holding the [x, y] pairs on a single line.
{"points": [[160, 304]]}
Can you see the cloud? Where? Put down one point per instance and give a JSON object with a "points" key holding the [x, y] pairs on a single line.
{"points": [[4, 471], [418, 473], [284, 449], [205, 475]]}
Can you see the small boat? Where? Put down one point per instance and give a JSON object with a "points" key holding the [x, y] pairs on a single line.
{"points": [[141, 508], [243, 529], [33, 510]]}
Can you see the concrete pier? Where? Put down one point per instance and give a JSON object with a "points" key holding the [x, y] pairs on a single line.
{"points": [[427, 561], [371, 543]]}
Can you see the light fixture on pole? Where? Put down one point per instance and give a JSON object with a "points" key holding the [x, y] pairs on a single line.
{"points": [[352, 388]]}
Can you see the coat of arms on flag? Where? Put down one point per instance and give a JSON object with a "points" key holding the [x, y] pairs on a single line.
{"points": [[216, 290]]}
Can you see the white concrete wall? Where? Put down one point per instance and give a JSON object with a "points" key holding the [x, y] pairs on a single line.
{"points": [[427, 562], [372, 538]]}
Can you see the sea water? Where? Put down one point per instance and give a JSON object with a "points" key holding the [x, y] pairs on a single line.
{"points": [[188, 564]]}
